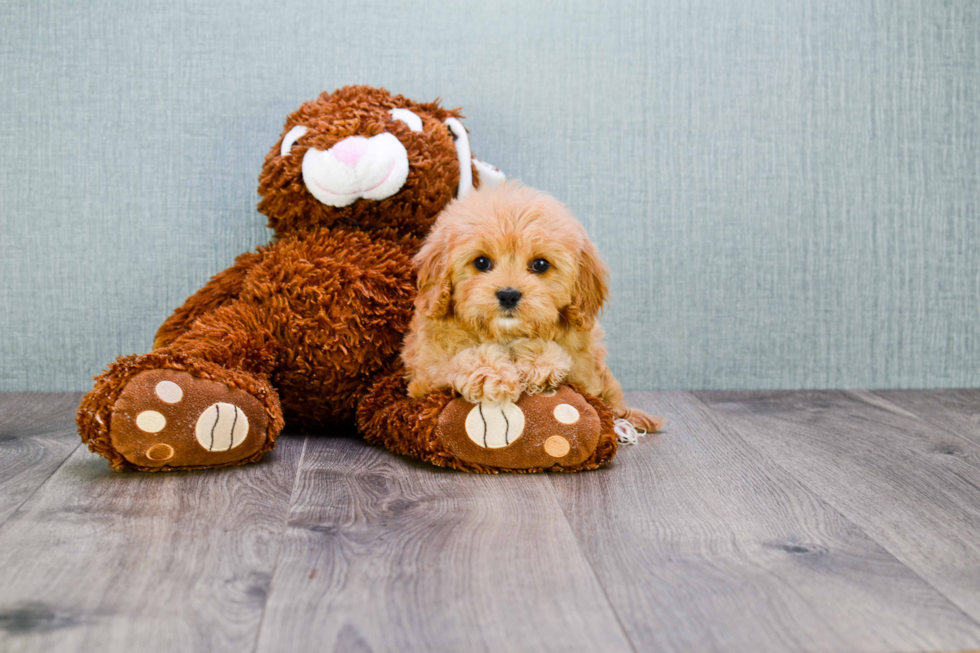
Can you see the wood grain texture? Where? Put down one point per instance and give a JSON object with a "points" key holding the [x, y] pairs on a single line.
{"points": [[37, 434], [387, 554], [911, 486], [811, 521], [702, 543], [956, 411], [181, 561]]}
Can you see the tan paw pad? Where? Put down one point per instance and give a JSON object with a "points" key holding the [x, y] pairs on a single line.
{"points": [[169, 392], [566, 414], [160, 452], [557, 446], [150, 421]]}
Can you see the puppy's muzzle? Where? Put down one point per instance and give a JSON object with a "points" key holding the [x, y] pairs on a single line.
{"points": [[508, 297]]}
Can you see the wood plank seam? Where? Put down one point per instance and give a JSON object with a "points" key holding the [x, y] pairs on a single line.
{"points": [[384, 531], [282, 537], [701, 514], [588, 561], [841, 510], [867, 395], [39, 486]]}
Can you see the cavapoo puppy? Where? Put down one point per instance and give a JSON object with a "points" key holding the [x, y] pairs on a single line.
{"points": [[510, 288]]}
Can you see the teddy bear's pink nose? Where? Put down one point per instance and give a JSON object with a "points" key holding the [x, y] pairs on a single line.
{"points": [[350, 150]]}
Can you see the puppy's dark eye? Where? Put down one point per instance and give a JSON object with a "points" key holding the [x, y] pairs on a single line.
{"points": [[483, 264], [540, 265]]}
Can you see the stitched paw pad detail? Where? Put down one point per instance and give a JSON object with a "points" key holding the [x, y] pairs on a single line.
{"points": [[538, 431], [221, 427], [170, 418], [493, 426]]}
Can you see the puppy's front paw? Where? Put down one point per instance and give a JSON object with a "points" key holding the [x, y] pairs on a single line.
{"points": [[545, 369], [495, 387], [485, 374]]}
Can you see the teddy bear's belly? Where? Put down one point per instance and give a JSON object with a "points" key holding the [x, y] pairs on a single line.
{"points": [[340, 303], [323, 386]]}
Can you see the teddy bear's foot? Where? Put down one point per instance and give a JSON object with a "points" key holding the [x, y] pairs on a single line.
{"points": [[564, 430], [166, 418], [538, 431]]}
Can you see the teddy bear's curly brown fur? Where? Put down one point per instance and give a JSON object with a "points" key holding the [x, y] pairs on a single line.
{"points": [[306, 330]]}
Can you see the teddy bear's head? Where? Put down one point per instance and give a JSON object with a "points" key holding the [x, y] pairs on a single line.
{"points": [[365, 158]]}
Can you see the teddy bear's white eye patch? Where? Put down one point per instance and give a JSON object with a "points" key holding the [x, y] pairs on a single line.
{"points": [[290, 139], [410, 118]]}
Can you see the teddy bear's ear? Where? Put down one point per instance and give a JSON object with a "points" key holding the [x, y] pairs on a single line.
{"points": [[487, 175], [434, 283]]}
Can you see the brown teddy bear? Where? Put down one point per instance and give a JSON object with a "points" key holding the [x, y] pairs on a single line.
{"points": [[306, 330]]}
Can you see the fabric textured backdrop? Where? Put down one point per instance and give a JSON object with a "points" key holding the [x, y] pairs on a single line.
{"points": [[787, 192]]}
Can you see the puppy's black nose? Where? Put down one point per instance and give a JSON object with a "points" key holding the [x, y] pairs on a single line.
{"points": [[508, 297]]}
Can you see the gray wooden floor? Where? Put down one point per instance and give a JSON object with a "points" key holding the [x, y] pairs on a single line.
{"points": [[804, 521]]}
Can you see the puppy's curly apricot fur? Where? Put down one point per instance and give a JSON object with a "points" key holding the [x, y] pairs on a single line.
{"points": [[510, 289]]}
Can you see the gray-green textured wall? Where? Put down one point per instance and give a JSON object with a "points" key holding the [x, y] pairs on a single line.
{"points": [[787, 192]]}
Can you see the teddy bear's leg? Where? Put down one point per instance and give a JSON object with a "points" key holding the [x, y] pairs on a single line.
{"points": [[222, 289], [203, 401], [566, 430]]}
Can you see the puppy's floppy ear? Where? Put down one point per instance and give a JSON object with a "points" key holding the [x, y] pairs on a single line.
{"points": [[432, 267], [590, 291]]}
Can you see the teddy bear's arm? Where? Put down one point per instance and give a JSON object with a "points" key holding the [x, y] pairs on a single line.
{"points": [[222, 288]]}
